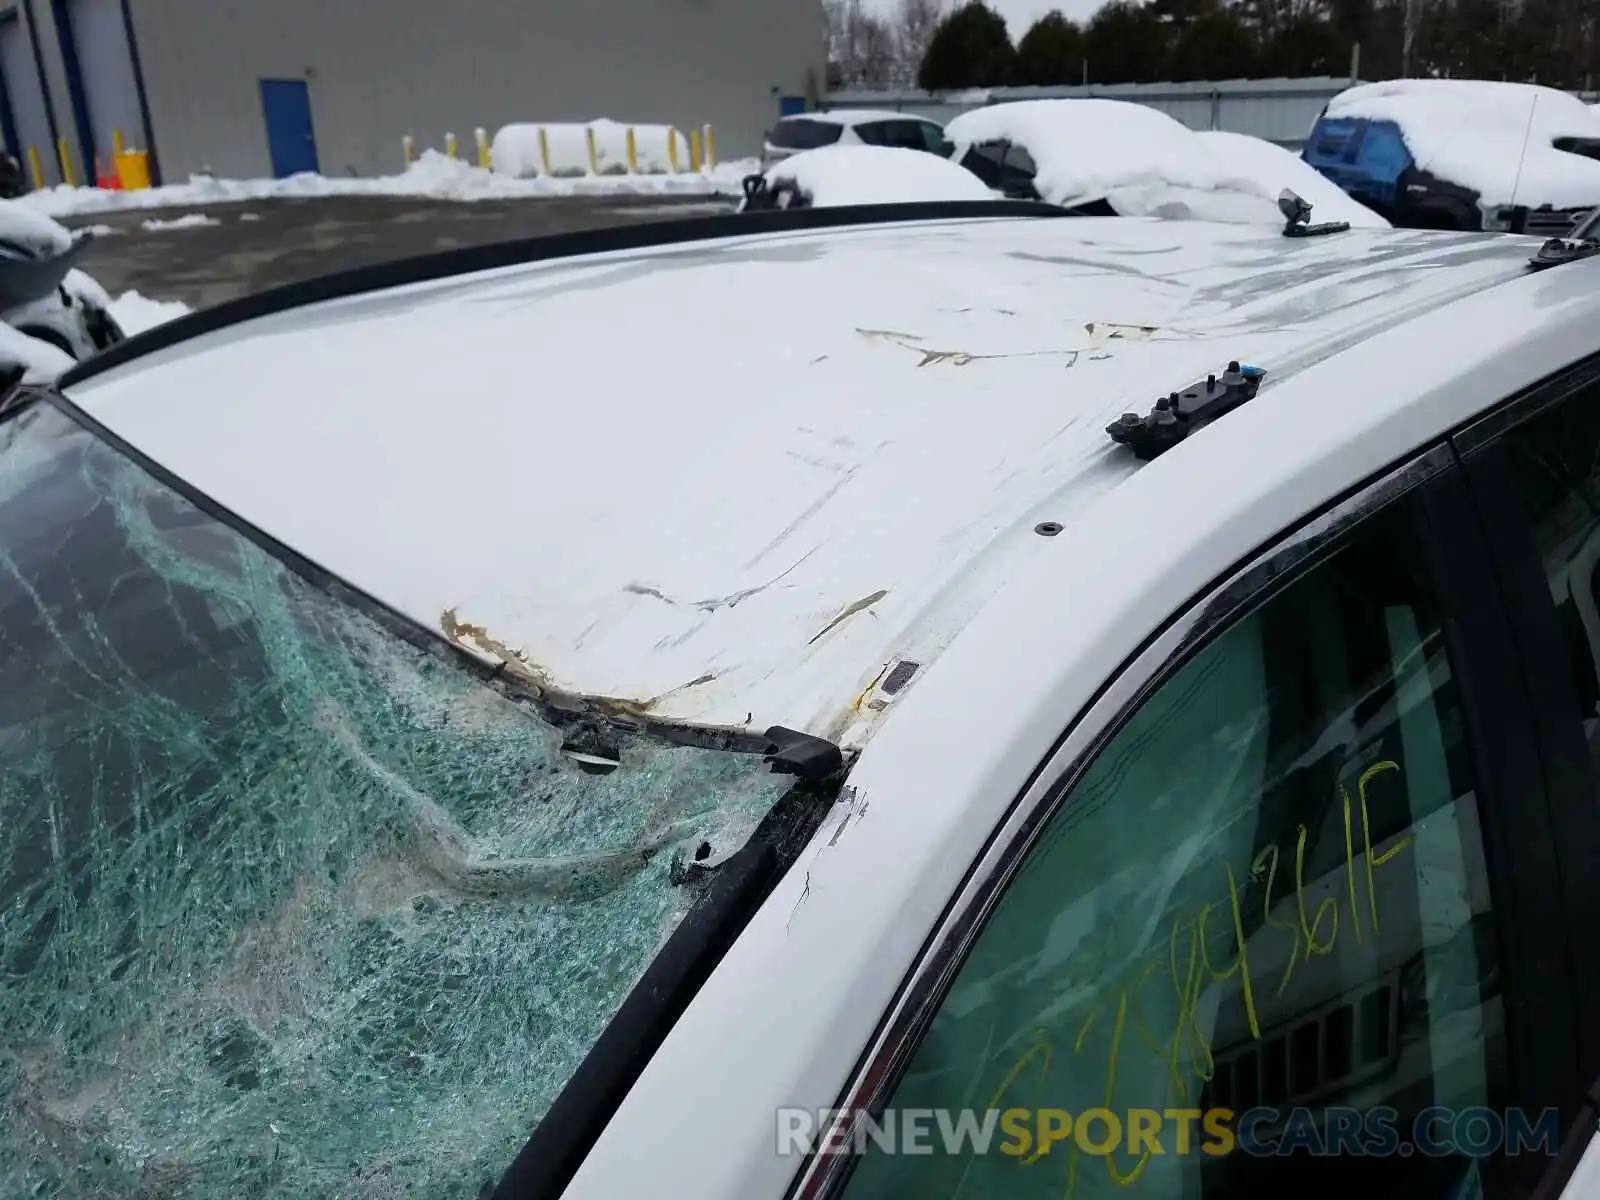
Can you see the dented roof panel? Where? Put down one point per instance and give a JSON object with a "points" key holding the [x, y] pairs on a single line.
{"points": [[753, 481]]}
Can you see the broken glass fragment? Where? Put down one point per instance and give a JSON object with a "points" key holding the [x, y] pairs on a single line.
{"points": [[289, 907]]}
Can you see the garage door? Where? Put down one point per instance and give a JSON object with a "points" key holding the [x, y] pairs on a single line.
{"points": [[22, 89], [106, 64]]}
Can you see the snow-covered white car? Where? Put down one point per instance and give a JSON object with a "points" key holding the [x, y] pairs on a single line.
{"points": [[1462, 154], [1117, 158], [845, 175], [851, 127], [1093, 681]]}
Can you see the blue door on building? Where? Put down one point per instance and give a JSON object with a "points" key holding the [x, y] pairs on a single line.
{"points": [[286, 105], [791, 106]]}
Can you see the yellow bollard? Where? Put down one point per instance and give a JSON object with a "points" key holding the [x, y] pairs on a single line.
{"points": [[633, 153], [38, 168], [65, 154], [408, 147], [484, 159], [672, 148], [117, 148], [711, 147], [544, 151], [694, 151], [594, 157], [450, 145]]}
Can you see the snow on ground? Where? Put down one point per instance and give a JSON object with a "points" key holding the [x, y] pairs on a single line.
{"points": [[841, 175], [136, 313], [432, 176], [1136, 158], [1275, 168], [1492, 137], [189, 221], [516, 151]]}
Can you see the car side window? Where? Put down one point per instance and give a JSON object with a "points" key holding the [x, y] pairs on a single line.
{"points": [[873, 133], [931, 136], [802, 133], [1554, 462], [1266, 894]]}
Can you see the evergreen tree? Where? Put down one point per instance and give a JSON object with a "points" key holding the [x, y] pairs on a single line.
{"points": [[971, 48], [1050, 53]]}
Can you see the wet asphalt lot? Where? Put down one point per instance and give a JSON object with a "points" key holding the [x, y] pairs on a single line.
{"points": [[263, 243]]}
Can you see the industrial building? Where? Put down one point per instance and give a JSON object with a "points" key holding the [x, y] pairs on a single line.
{"points": [[246, 89]]}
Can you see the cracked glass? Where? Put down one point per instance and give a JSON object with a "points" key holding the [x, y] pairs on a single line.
{"points": [[289, 906]]}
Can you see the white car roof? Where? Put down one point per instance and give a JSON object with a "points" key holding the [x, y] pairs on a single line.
{"points": [[739, 484], [784, 1019], [857, 116], [1375, 343]]}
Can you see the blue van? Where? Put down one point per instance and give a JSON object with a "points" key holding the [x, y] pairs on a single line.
{"points": [[1369, 160]]}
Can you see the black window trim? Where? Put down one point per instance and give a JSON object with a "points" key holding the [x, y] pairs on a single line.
{"points": [[1569, 778], [1289, 556]]}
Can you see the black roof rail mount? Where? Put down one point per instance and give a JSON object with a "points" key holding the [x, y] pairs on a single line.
{"points": [[1297, 215], [1179, 414], [1582, 241], [1563, 250]]}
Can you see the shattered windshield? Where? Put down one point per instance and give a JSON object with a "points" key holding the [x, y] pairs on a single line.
{"points": [[289, 907]]}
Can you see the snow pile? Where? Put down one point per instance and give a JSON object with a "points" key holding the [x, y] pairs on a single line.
{"points": [[189, 221], [136, 313], [432, 176], [1496, 138], [32, 231], [1273, 169], [516, 151], [841, 175]]}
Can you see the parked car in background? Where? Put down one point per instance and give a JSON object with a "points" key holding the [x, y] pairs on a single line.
{"points": [[890, 725], [852, 127], [835, 176], [1462, 154], [1116, 158]]}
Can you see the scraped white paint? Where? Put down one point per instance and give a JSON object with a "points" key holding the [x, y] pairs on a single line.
{"points": [[541, 451]]}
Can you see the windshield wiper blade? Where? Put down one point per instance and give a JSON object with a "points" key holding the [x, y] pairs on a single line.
{"points": [[732, 894]]}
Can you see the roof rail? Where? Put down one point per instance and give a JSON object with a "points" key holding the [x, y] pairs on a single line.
{"points": [[447, 263]]}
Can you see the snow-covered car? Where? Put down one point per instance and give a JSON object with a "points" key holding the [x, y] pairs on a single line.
{"points": [[433, 764], [845, 175], [1462, 154], [1114, 157], [44, 296], [852, 127], [1275, 170]]}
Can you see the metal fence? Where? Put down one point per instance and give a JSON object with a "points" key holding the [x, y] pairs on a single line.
{"points": [[1279, 110]]}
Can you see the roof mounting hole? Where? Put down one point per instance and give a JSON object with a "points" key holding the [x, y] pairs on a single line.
{"points": [[1047, 528]]}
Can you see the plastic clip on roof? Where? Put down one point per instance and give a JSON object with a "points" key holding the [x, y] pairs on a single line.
{"points": [[1180, 414], [1297, 215]]}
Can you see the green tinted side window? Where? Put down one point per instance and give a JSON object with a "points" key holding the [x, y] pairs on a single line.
{"points": [[1266, 895]]}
